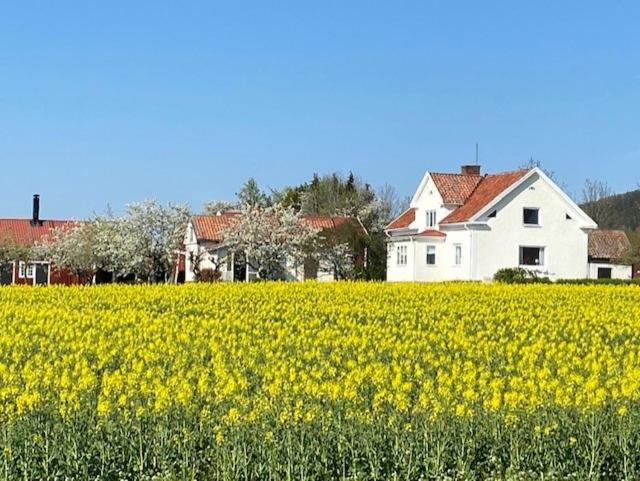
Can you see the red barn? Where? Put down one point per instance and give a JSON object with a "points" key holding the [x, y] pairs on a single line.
{"points": [[27, 233]]}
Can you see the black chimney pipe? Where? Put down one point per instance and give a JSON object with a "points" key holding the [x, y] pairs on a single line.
{"points": [[35, 218]]}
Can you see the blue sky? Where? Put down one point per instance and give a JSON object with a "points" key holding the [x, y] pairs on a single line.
{"points": [[111, 102]]}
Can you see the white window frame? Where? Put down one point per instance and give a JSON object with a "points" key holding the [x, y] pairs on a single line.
{"points": [[542, 252], [430, 217], [401, 255], [435, 257], [23, 270], [531, 225], [457, 254]]}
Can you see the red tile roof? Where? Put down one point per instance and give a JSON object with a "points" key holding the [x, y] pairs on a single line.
{"points": [[210, 227], [608, 244], [23, 232], [455, 188], [490, 187], [432, 233], [404, 219]]}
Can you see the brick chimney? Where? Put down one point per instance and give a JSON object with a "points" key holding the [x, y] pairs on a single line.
{"points": [[470, 170]]}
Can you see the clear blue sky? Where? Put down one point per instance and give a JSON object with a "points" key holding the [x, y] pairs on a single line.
{"points": [[111, 102]]}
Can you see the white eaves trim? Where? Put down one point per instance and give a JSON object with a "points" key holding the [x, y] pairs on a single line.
{"points": [[423, 183], [401, 231]]}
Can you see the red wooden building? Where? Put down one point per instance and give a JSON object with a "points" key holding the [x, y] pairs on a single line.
{"points": [[27, 233]]}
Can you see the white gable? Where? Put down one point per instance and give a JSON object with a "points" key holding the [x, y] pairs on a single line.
{"points": [[570, 207]]}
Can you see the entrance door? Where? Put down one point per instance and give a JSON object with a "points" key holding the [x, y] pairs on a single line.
{"points": [[42, 274], [6, 274], [239, 271], [604, 272]]}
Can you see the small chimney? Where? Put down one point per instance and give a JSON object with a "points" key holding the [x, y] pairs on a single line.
{"points": [[35, 217], [470, 170]]}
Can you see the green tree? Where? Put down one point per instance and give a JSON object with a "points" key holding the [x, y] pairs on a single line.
{"points": [[250, 194]]}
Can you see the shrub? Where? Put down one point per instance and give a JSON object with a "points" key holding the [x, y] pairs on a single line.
{"points": [[519, 275], [611, 282], [209, 275]]}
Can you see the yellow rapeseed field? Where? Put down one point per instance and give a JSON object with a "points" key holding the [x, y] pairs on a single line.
{"points": [[320, 381]]}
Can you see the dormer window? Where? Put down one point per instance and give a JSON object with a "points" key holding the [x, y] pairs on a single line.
{"points": [[530, 216], [431, 218]]}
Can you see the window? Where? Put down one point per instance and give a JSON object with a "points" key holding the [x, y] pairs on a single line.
{"points": [[25, 270], [493, 214], [531, 217], [431, 218], [431, 255], [458, 254], [531, 256], [401, 255], [568, 217]]}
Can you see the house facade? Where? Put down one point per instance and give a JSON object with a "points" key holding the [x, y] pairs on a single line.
{"points": [[467, 226], [203, 244], [27, 233]]}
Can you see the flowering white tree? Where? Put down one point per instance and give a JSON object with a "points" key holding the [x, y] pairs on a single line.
{"points": [[72, 247], [143, 242], [149, 235], [11, 251], [267, 237]]}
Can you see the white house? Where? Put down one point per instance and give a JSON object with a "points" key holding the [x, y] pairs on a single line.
{"points": [[467, 226], [204, 236]]}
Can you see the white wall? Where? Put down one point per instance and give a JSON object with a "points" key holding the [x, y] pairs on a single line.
{"points": [[295, 272], [399, 273], [618, 271], [497, 244]]}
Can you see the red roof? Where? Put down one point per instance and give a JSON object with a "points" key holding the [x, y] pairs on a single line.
{"points": [[23, 232], [432, 233], [404, 219], [490, 187], [210, 227], [455, 188], [608, 244]]}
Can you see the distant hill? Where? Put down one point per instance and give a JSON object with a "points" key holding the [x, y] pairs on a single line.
{"points": [[621, 211]]}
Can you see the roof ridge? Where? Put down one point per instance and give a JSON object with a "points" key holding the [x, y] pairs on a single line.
{"points": [[505, 172], [457, 174], [508, 172], [28, 219]]}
